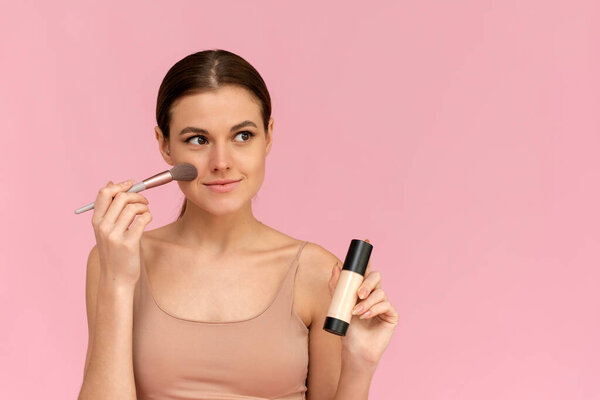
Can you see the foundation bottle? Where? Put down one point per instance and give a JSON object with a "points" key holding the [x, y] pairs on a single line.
{"points": [[345, 295]]}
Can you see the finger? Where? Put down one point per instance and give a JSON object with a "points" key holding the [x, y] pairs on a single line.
{"points": [[105, 196], [384, 310], [370, 283], [368, 270], [126, 217], [122, 198], [138, 226], [334, 278], [369, 262], [375, 297]]}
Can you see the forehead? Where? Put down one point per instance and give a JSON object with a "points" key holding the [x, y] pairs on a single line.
{"points": [[227, 105]]}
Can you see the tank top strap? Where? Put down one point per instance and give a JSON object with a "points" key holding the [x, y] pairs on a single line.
{"points": [[287, 288], [294, 265], [142, 290]]}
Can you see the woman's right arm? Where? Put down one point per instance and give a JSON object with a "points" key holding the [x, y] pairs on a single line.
{"points": [[113, 268]]}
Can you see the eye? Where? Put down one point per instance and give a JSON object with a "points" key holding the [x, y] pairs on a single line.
{"points": [[246, 133], [250, 134], [193, 137]]}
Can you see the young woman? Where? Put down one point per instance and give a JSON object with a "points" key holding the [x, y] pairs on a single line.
{"points": [[217, 305]]}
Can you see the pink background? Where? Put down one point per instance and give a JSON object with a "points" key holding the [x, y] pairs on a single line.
{"points": [[460, 137]]}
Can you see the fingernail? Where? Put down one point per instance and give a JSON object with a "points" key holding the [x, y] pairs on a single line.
{"points": [[357, 309], [362, 293]]}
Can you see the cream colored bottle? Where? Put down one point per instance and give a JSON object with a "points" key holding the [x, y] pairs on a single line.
{"points": [[345, 295]]}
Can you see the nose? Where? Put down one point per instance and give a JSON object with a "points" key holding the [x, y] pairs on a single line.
{"points": [[220, 157]]}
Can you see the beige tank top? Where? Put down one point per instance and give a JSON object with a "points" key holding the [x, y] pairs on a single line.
{"points": [[263, 357]]}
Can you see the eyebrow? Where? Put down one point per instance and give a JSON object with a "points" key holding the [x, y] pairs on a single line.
{"points": [[233, 128]]}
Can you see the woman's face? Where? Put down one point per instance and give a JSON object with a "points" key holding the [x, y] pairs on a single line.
{"points": [[221, 133]]}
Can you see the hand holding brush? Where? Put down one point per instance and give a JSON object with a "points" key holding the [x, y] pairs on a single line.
{"points": [[180, 172]]}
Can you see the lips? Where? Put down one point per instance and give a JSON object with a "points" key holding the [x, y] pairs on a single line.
{"points": [[222, 182], [224, 187]]}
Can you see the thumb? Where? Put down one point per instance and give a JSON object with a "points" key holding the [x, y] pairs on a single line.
{"points": [[335, 276], [368, 269]]}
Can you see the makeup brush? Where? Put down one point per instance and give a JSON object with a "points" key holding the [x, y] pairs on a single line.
{"points": [[180, 172]]}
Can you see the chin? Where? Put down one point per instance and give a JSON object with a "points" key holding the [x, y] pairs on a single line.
{"points": [[221, 207]]}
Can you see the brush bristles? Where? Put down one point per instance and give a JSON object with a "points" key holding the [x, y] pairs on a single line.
{"points": [[184, 172]]}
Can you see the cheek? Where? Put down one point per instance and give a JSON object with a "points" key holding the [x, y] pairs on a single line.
{"points": [[254, 170], [258, 166], [249, 162]]}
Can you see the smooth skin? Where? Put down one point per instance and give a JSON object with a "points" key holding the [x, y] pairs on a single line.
{"points": [[219, 229]]}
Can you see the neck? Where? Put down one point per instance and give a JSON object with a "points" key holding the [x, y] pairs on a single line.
{"points": [[218, 234]]}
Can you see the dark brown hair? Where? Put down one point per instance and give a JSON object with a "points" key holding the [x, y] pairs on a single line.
{"points": [[208, 70]]}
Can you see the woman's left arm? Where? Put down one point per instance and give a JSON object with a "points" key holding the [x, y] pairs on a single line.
{"points": [[342, 367]]}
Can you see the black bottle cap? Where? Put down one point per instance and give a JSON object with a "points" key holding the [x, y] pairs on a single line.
{"points": [[358, 255], [335, 326]]}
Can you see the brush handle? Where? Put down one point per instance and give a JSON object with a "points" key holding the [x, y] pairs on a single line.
{"points": [[138, 187]]}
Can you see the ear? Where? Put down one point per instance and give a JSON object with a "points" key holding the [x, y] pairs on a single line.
{"points": [[270, 135], [163, 145]]}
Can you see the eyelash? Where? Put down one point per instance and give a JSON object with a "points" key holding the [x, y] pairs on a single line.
{"points": [[202, 136]]}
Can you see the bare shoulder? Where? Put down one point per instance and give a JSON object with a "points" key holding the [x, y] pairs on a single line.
{"points": [[314, 273], [317, 262], [325, 349], [93, 272], [156, 239], [160, 233]]}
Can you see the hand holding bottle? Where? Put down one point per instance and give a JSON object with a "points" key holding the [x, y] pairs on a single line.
{"points": [[374, 321]]}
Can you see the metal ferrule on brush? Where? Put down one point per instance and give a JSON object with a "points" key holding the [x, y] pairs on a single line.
{"points": [[157, 180]]}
